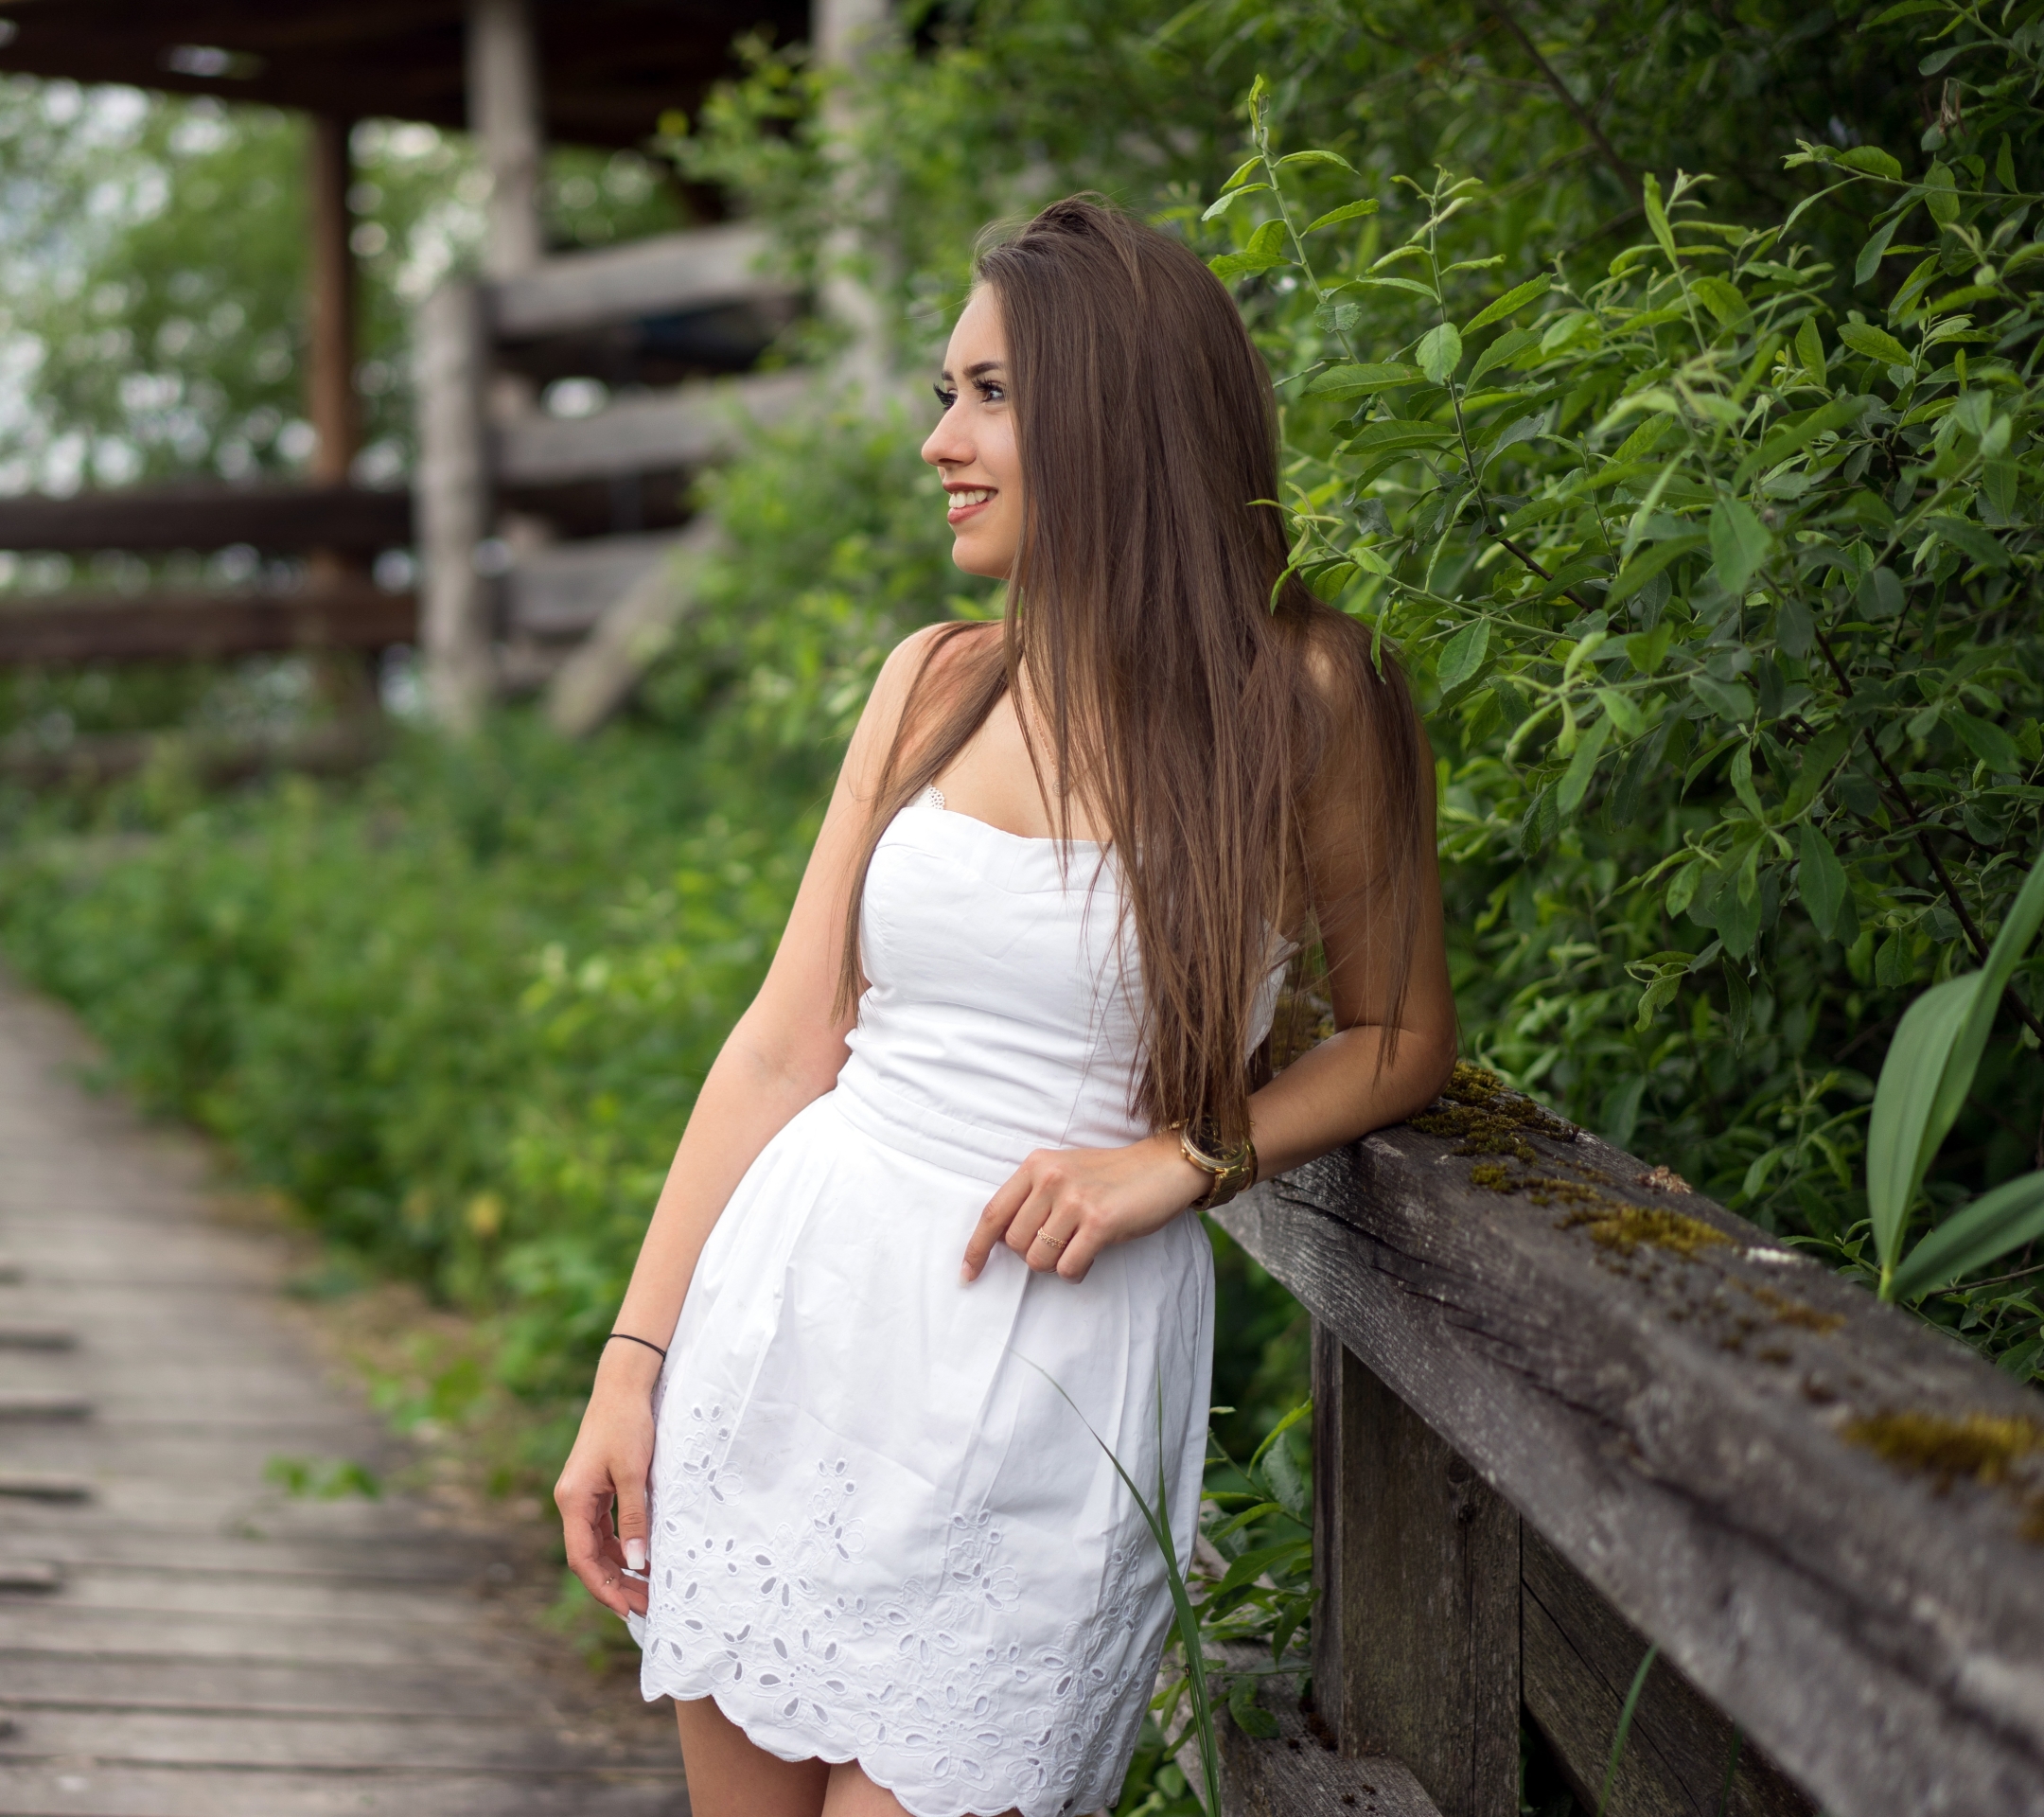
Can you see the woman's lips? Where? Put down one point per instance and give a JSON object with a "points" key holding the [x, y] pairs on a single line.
{"points": [[981, 497]]}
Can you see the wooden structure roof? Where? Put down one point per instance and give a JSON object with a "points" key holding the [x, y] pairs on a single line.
{"points": [[609, 67]]}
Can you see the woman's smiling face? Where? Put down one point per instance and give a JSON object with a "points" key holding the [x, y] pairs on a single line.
{"points": [[974, 443]]}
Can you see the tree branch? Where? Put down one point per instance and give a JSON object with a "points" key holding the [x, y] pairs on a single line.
{"points": [[1553, 78]]}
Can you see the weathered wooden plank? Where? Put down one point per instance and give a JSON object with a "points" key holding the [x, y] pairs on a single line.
{"points": [[1580, 1658], [159, 519], [633, 630], [684, 427], [102, 1682], [57, 1787], [1668, 1404], [1416, 1638], [43, 1486], [666, 274], [343, 1742], [31, 1403], [37, 1337], [1293, 1774], [60, 1625], [33, 1575], [563, 591], [341, 614]]}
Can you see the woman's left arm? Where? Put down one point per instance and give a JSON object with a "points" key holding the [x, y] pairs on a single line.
{"points": [[1389, 1057]]}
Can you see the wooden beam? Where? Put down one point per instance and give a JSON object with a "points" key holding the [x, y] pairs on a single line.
{"points": [[504, 113], [330, 368], [666, 274], [684, 427], [1667, 1396], [452, 486], [1415, 1636], [347, 614], [274, 518]]}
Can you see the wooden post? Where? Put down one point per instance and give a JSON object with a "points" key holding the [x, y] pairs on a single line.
{"points": [[1416, 1638], [842, 31], [504, 115], [330, 371], [452, 506]]}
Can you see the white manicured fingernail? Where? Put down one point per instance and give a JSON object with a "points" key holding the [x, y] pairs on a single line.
{"points": [[634, 1555]]}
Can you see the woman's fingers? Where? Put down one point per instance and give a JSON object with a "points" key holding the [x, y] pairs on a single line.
{"points": [[594, 1553], [995, 1220]]}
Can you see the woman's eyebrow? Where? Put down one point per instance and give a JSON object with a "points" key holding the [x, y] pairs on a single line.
{"points": [[979, 368]]}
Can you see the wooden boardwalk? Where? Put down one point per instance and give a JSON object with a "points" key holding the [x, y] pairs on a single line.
{"points": [[179, 1637]]}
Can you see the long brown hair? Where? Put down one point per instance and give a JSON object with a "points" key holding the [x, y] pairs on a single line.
{"points": [[1189, 699]]}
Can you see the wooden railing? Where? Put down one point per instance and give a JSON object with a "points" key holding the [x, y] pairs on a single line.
{"points": [[1567, 1410]]}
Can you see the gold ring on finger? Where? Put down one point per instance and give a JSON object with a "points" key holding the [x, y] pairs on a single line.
{"points": [[1043, 1236]]}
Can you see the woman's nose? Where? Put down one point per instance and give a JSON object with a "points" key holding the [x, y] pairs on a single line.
{"points": [[946, 445]]}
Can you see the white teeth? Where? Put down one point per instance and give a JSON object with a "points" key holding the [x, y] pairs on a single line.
{"points": [[959, 500]]}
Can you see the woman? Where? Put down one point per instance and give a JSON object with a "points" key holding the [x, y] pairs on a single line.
{"points": [[924, 1252]]}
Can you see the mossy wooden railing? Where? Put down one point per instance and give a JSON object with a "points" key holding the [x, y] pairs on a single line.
{"points": [[1567, 1410]]}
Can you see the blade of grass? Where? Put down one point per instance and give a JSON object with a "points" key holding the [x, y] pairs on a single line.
{"points": [[1731, 1771], [1157, 1519], [1625, 1726]]}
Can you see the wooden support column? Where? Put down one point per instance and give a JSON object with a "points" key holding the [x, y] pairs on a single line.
{"points": [[1416, 1637], [452, 506], [842, 31], [330, 401], [504, 115]]}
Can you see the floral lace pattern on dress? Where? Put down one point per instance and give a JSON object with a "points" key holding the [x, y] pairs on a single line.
{"points": [[913, 1686]]}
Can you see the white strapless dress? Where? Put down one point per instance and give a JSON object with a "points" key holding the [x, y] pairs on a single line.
{"points": [[881, 1530]]}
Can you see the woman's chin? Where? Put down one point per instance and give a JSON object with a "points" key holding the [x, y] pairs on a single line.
{"points": [[970, 557]]}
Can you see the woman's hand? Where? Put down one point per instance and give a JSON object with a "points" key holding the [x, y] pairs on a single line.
{"points": [[1062, 1205], [613, 1453]]}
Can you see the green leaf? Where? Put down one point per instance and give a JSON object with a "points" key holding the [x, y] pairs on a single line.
{"points": [[1872, 160], [1291, 158], [1825, 891], [1505, 349], [1999, 1221], [1393, 284], [1251, 1718], [1439, 352], [1724, 299], [1810, 350], [1874, 250], [1730, 700], [1241, 172], [1739, 543], [1967, 535], [1356, 381], [1930, 1068], [1465, 653], [1657, 218], [1987, 741], [1506, 305], [1396, 432], [1938, 191], [1347, 211], [1227, 201], [1582, 767], [1650, 562], [1876, 343], [1788, 439], [1741, 774], [1646, 651], [1266, 248]]}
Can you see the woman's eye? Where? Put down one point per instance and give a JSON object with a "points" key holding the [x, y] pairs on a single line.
{"points": [[944, 398], [991, 392]]}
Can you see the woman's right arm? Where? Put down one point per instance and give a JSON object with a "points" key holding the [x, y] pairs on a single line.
{"points": [[784, 1053]]}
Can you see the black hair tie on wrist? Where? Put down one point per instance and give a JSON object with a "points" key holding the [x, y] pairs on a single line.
{"points": [[647, 1341]]}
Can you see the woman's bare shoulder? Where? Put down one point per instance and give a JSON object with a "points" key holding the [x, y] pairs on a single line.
{"points": [[926, 658]]}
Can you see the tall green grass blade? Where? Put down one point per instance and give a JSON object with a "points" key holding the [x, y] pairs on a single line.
{"points": [[2011, 1214], [1899, 1144], [1625, 1726], [1186, 1617], [1731, 1771]]}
